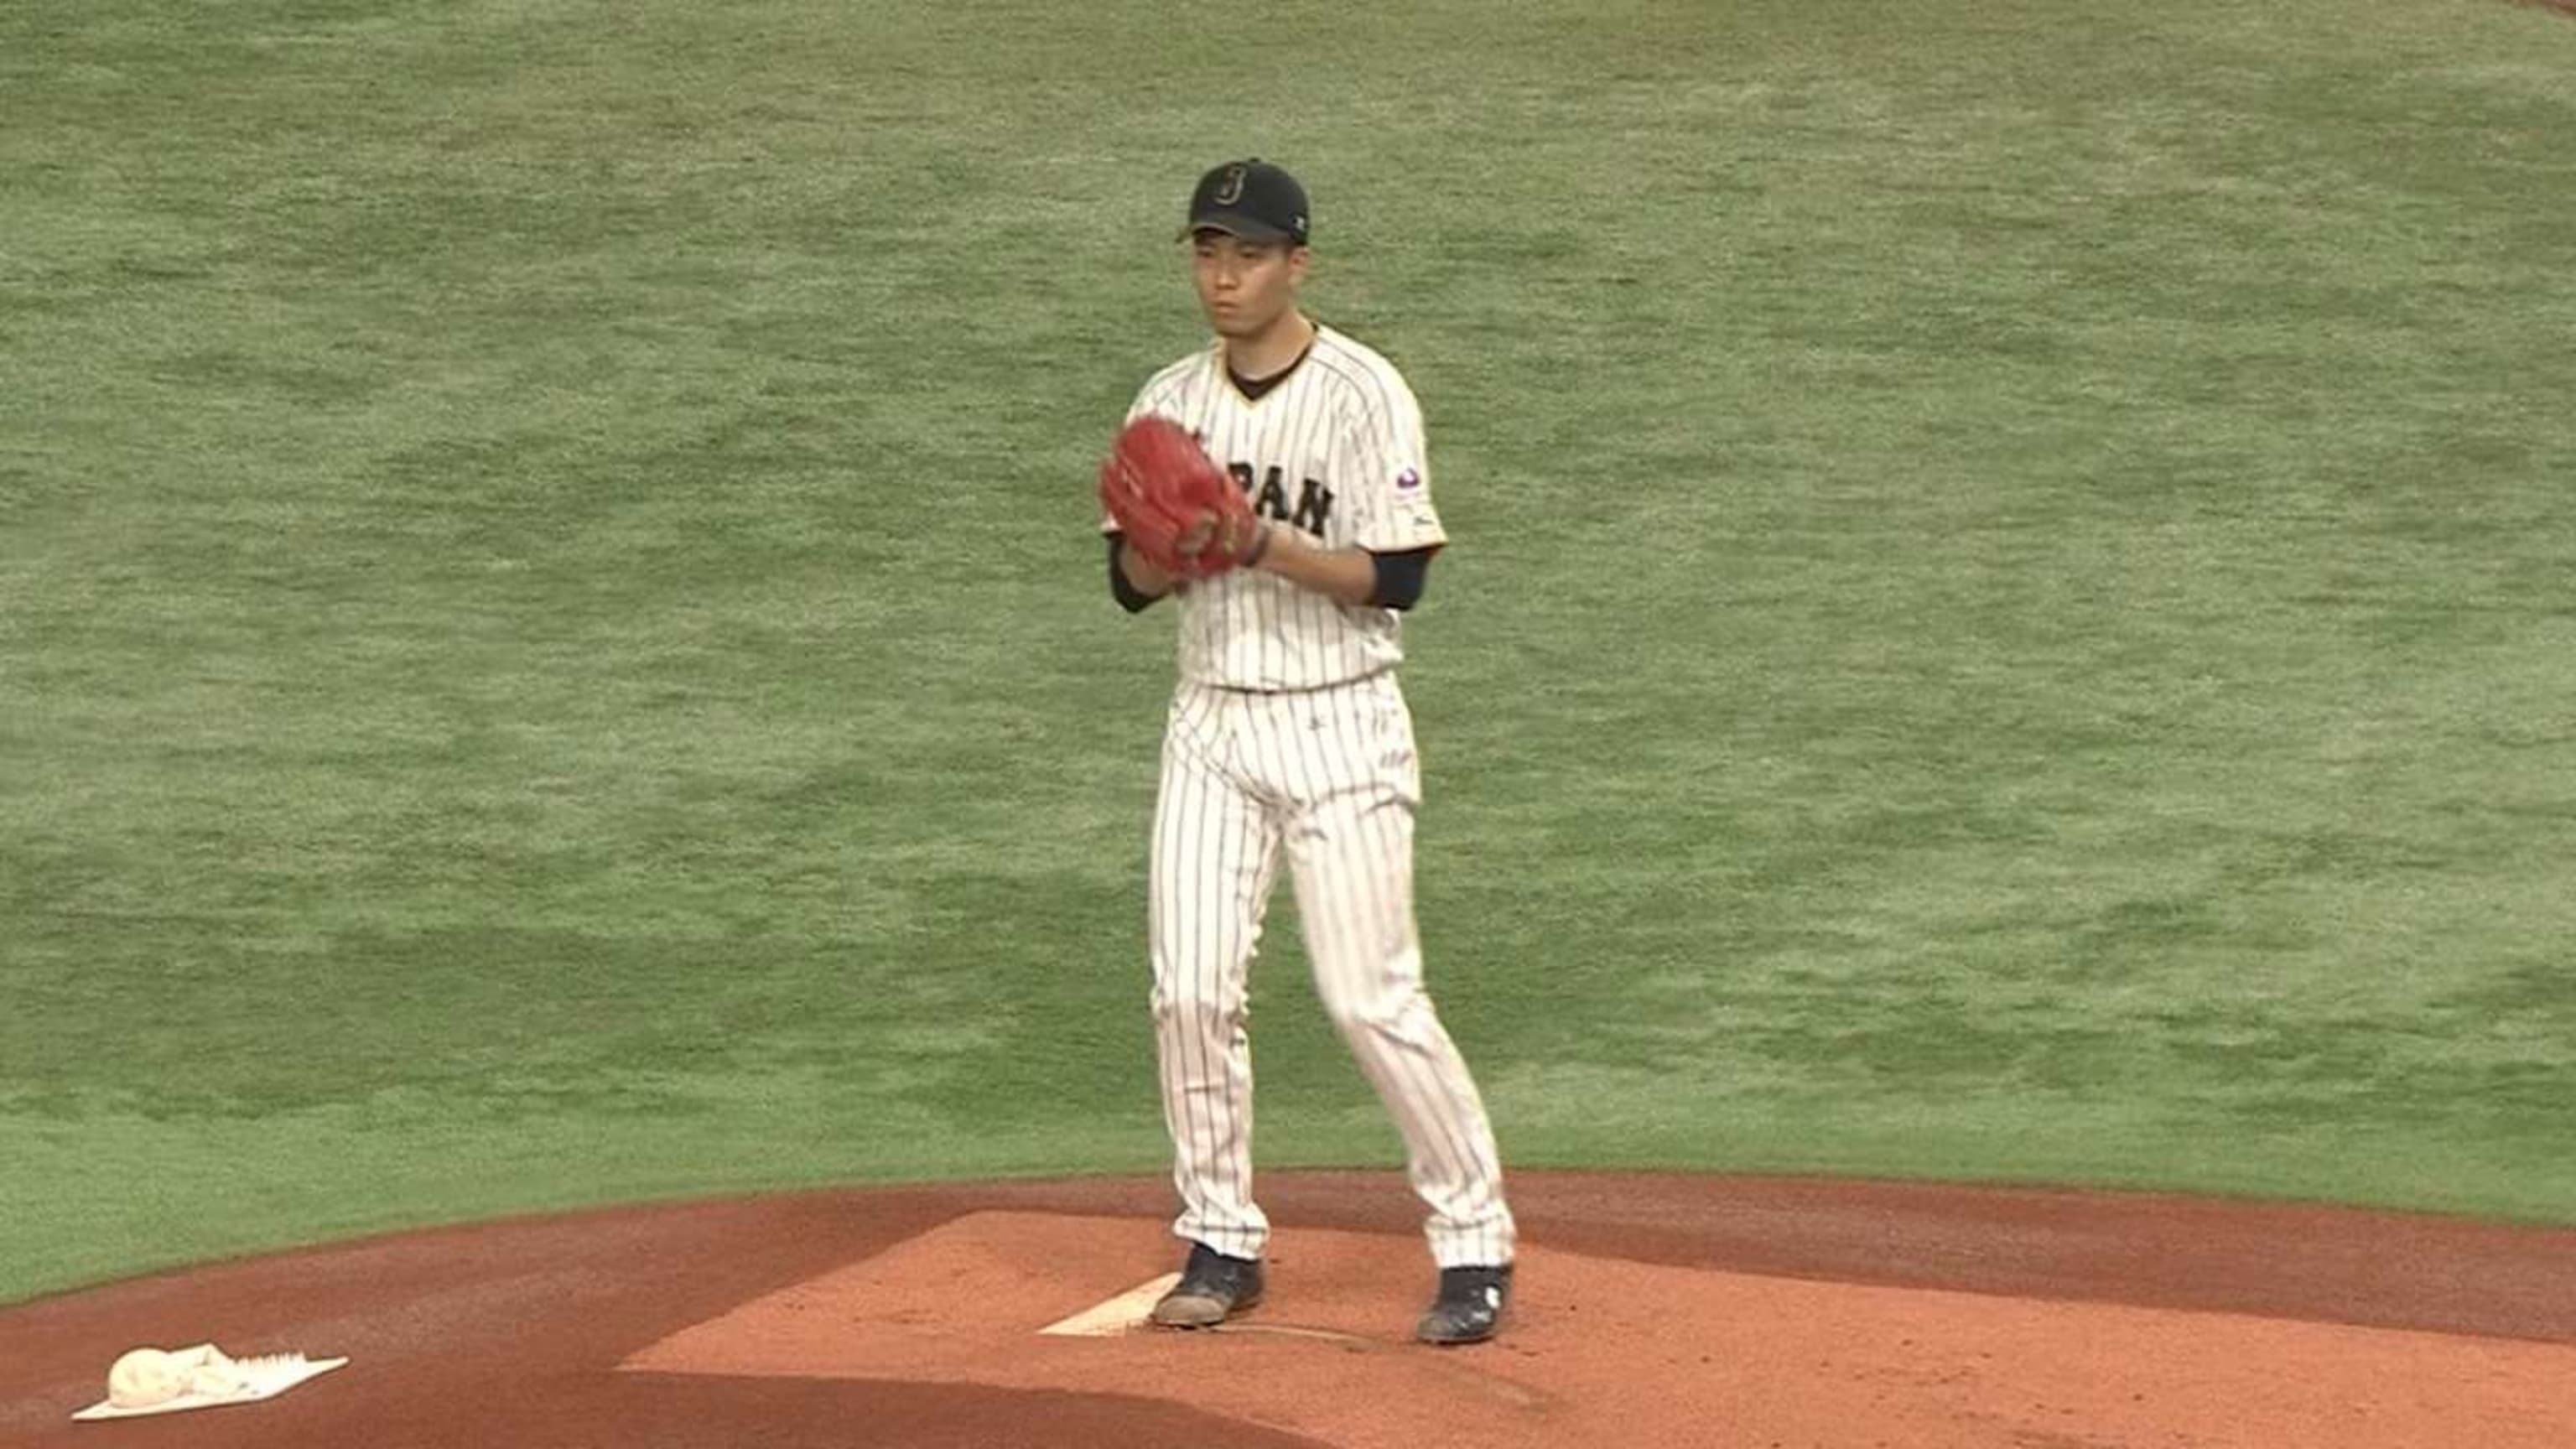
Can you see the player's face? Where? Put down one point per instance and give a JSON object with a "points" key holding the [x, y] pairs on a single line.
{"points": [[1246, 286]]}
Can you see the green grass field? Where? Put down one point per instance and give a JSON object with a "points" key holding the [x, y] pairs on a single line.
{"points": [[2011, 612]]}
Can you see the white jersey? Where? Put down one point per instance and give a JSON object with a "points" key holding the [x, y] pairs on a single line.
{"points": [[1334, 448]]}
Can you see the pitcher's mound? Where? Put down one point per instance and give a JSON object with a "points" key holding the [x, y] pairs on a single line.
{"points": [[1651, 1311], [1602, 1352]]}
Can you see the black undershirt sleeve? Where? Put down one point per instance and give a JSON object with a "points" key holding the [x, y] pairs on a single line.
{"points": [[1400, 577], [1131, 598]]}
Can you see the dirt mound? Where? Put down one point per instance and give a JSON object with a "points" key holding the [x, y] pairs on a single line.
{"points": [[1652, 1310]]}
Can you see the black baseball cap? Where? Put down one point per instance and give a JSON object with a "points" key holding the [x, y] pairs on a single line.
{"points": [[1251, 199]]}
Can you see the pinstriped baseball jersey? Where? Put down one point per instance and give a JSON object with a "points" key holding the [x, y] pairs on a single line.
{"points": [[1336, 449]]}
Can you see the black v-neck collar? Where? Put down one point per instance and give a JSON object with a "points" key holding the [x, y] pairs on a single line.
{"points": [[1254, 389]]}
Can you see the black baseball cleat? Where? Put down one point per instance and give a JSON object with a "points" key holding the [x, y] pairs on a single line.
{"points": [[1213, 1288], [1470, 1307]]}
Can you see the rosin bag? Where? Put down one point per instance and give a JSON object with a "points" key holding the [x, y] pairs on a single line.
{"points": [[167, 1381]]}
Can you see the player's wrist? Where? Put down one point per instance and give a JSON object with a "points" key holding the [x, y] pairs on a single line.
{"points": [[1263, 533]]}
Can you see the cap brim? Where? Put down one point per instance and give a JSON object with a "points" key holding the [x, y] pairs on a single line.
{"points": [[1236, 224]]}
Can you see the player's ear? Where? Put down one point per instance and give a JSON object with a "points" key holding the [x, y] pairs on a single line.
{"points": [[1297, 258]]}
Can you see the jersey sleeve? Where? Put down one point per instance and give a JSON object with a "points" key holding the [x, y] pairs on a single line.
{"points": [[1392, 472]]}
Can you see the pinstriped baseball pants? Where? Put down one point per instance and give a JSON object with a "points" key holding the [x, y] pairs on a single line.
{"points": [[1326, 778]]}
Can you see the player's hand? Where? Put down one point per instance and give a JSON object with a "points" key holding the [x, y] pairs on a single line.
{"points": [[1237, 537]]}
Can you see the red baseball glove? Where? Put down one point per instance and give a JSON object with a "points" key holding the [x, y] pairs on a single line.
{"points": [[1175, 505]]}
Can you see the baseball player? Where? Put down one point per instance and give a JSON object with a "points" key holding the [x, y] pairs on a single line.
{"points": [[1288, 739]]}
